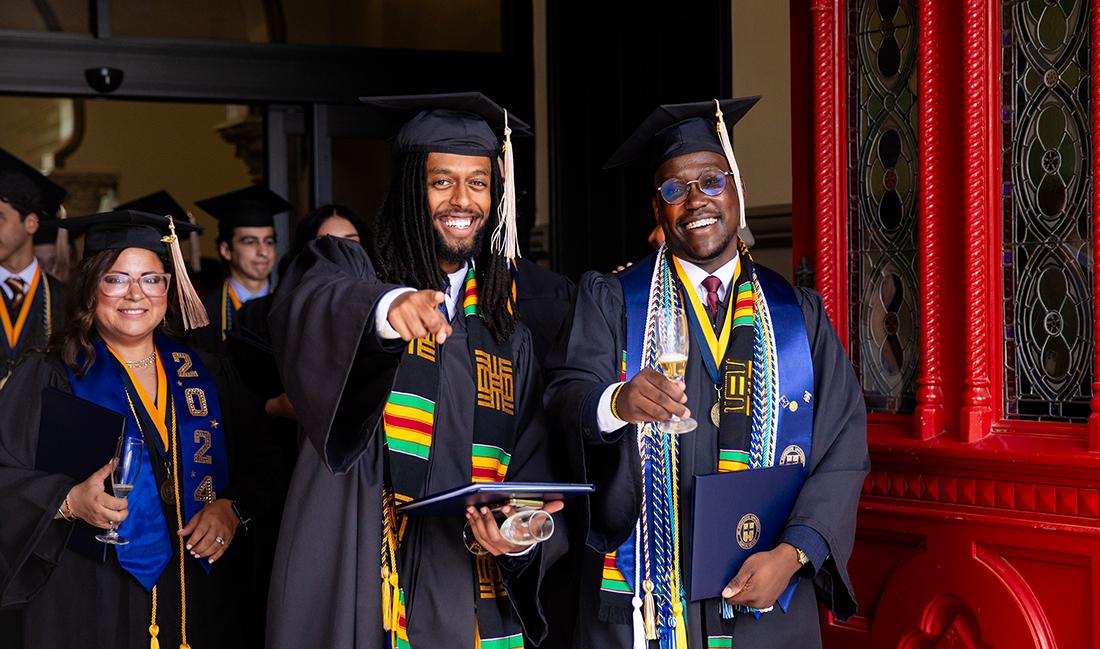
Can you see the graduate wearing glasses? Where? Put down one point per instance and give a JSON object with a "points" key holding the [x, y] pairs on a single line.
{"points": [[168, 584], [749, 333]]}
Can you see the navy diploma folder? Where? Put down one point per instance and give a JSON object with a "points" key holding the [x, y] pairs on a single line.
{"points": [[737, 514], [454, 502], [77, 437]]}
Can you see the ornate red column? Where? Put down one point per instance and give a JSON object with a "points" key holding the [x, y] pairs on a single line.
{"points": [[829, 156], [979, 94], [930, 417], [1094, 418]]}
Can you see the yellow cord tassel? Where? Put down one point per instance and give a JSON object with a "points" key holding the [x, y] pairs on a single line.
{"points": [[387, 611], [185, 646], [649, 609], [154, 630], [681, 625]]}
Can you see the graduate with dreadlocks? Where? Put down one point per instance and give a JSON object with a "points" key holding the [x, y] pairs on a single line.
{"points": [[410, 375], [768, 383]]}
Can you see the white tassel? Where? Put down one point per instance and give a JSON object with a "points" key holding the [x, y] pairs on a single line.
{"points": [[196, 249], [505, 240], [727, 148], [191, 308], [637, 621]]}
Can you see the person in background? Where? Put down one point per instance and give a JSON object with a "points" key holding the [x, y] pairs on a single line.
{"points": [[246, 244], [32, 299]]}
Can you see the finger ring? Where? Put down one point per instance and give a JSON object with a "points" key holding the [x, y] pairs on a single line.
{"points": [[219, 540]]}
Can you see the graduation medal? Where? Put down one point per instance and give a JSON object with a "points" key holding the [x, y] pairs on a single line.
{"points": [[716, 413]]}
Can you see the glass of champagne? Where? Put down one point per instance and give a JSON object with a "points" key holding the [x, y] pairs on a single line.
{"points": [[672, 354], [128, 455]]}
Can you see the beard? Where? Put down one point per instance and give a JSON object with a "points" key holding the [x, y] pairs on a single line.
{"points": [[459, 252]]}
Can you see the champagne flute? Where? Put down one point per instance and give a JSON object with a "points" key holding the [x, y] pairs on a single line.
{"points": [[672, 354], [526, 525], [128, 455]]}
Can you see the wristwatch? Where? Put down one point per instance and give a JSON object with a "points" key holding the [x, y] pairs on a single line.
{"points": [[803, 558], [245, 518]]}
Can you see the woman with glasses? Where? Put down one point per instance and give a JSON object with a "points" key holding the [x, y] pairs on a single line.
{"points": [[168, 585]]}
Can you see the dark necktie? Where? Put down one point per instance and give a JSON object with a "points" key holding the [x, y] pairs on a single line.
{"points": [[18, 290], [712, 284]]}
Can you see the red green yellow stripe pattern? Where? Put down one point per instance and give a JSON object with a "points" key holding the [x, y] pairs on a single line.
{"points": [[720, 642], [732, 460], [743, 307], [507, 642], [469, 293], [613, 580], [622, 371], [490, 463], [408, 421], [400, 634]]}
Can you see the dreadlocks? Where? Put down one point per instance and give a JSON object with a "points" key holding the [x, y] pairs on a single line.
{"points": [[405, 245]]}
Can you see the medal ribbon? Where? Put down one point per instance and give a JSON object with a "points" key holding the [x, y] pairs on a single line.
{"points": [[12, 332], [158, 408], [712, 348]]}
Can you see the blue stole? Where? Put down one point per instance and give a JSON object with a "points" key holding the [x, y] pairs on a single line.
{"points": [[794, 428], [203, 461]]}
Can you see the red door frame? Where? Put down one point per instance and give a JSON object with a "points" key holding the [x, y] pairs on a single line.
{"points": [[962, 504]]}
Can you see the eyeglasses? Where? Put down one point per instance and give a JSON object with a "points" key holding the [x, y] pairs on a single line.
{"points": [[118, 284], [675, 191]]}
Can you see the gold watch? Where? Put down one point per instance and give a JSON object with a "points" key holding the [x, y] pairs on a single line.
{"points": [[803, 558]]}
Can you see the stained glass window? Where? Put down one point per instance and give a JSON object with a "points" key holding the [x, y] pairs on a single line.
{"points": [[1046, 267], [882, 159]]}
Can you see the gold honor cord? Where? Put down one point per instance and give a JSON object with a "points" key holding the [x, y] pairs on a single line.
{"points": [[717, 346], [14, 331], [154, 628]]}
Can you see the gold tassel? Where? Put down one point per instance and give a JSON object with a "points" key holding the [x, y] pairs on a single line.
{"points": [[196, 249], [395, 597], [681, 625], [185, 646], [727, 148], [154, 630], [191, 308], [505, 239], [649, 609], [386, 602]]}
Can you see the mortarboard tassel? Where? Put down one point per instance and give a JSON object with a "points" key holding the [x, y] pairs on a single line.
{"points": [[727, 148], [191, 308], [63, 254], [505, 240], [196, 250]]}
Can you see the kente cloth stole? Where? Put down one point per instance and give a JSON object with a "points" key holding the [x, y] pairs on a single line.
{"points": [[408, 420], [760, 364], [203, 463], [36, 302]]}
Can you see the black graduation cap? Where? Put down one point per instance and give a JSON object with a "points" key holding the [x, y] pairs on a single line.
{"points": [[251, 207], [159, 203], [27, 189], [463, 123], [677, 129], [46, 232], [122, 229]]}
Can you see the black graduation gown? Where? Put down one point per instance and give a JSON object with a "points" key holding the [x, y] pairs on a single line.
{"points": [[837, 465], [68, 600], [325, 586], [212, 339], [38, 327], [543, 298], [248, 347]]}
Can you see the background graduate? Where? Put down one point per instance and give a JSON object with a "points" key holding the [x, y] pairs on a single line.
{"points": [[389, 420], [743, 319], [246, 244], [202, 455], [33, 299]]}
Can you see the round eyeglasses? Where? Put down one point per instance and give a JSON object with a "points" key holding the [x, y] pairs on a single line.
{"points": [[675, 191], [118, 284]]}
